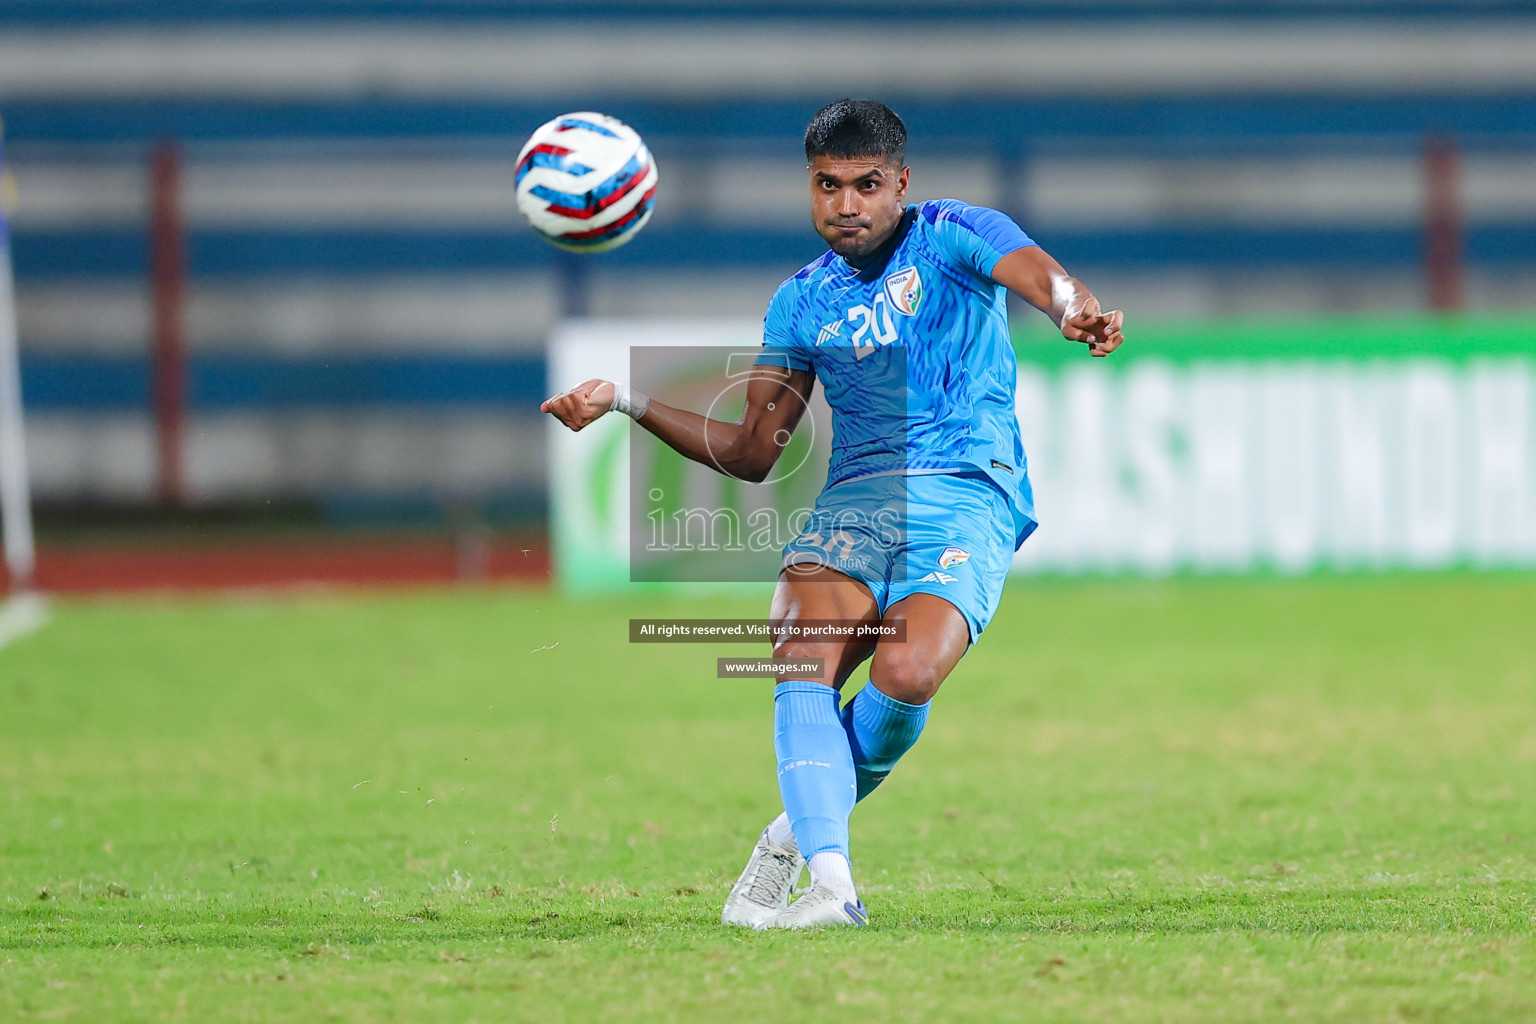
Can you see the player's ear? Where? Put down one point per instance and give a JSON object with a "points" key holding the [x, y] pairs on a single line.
{"points": [[901, 183]]}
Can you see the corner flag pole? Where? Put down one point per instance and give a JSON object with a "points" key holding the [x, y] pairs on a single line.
{"points": [[15, 501]]}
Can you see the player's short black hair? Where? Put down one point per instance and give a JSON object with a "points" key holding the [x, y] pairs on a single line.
{"points": [[845, 129]]}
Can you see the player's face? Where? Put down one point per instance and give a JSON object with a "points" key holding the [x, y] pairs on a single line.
{"points": [[856, 203]]}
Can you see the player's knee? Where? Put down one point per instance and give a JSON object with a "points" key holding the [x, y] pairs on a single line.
{"points": [[805, 653], [906, 676]]}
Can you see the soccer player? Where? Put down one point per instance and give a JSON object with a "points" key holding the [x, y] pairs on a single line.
{"points": [[904, 322]]}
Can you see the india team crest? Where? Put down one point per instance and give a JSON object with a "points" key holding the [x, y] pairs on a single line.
{"points": [[952, 556], [904, 290]]}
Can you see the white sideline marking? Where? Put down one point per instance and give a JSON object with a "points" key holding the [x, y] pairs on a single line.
{"points": [[21, 615]]}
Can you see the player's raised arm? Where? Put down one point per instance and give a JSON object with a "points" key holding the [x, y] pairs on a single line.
{"points": [[746, 449], [1033, 275]]}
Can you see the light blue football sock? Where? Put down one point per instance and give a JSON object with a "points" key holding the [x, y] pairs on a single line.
{"points": [[816, 776], [880, 729]]}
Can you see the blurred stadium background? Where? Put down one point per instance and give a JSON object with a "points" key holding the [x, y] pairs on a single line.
{"points": [[279, 318]]}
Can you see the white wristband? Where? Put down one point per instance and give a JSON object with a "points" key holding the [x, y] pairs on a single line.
{"points": [[629, 402]]}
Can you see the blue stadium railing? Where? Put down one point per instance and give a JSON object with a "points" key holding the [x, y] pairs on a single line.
{"points": [[117, 253], [1203, 123], [102, 383]]}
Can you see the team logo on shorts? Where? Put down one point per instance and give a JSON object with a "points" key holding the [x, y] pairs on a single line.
{"points": [[904, 290], [952, 556], [938, 577]]}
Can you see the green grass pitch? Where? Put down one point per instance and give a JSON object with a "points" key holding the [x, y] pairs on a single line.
{"points": [[1179, 801]]}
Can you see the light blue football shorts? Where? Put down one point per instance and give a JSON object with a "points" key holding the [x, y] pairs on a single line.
{"points": [[948, 534]]}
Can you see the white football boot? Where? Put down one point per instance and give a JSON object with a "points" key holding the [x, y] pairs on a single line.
{"points": [[762, 890], [821, 907]]}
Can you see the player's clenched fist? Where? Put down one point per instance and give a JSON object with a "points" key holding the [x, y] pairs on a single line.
{"points": [[581, 404], [1101, 332]]}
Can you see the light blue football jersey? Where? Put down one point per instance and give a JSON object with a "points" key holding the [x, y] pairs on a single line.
{"points": [[913, 351]]}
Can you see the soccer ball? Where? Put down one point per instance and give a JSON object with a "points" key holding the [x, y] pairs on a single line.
{"points": [[586, 182]]}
